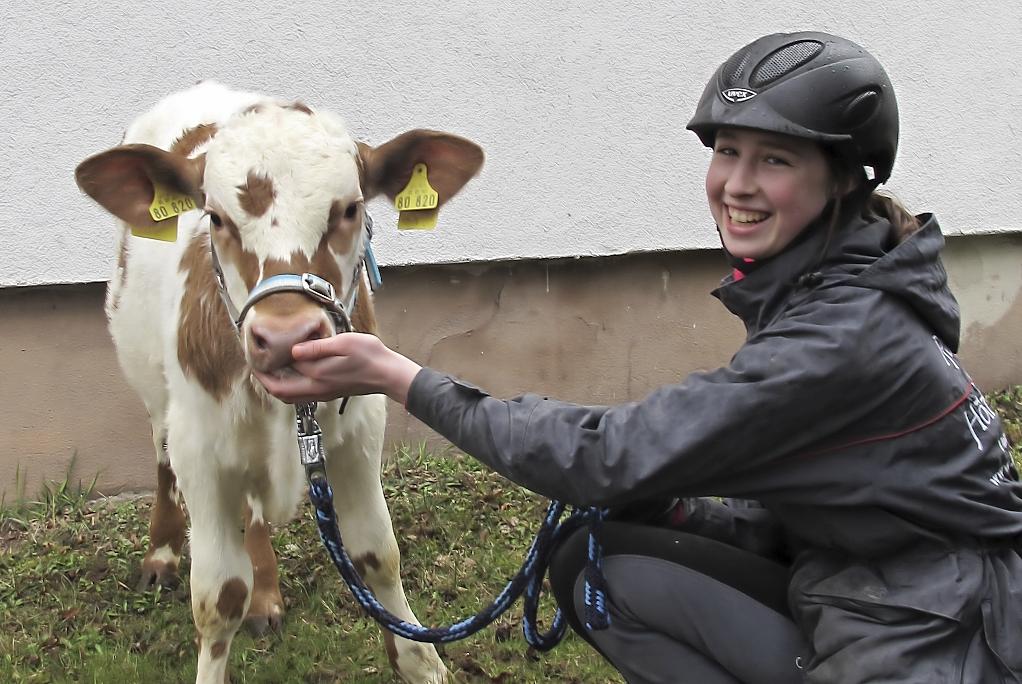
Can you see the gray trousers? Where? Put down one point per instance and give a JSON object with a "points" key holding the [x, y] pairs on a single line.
{"points": [[684, 608]]}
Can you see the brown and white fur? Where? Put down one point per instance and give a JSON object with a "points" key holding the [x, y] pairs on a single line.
{"points": [[280, 188]]}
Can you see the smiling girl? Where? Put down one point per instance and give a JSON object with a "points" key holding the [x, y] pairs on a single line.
{"points": [[764, 189], [874, 534]]}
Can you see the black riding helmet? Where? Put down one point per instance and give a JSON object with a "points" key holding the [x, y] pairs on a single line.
{"points": [[809, 85]]}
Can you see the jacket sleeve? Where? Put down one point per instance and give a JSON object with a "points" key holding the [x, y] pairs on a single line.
{"points": [[785, 389]]}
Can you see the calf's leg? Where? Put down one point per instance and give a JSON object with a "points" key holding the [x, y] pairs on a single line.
{"points": [[266, 610], [354, 471], [166, 524], [221, 572]]}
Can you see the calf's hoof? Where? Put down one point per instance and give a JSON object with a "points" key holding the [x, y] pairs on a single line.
{"points": [[157, 573], [263, 619]]}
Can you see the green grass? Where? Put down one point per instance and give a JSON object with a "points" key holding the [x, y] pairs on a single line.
{"points": [[68, 612], [55, 499], [1008, 403]]}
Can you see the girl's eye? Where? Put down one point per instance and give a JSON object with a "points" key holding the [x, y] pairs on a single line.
{"points": [[777, 161], [215, 219]]}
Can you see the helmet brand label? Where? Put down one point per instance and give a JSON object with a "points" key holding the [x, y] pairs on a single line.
{"points": [[737, 94]]}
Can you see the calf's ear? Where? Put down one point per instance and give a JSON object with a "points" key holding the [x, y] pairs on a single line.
{"points": [[451, 161], [122, 180]]}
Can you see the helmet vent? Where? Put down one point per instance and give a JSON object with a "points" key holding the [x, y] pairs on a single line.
{"points": [[784, 61], [862, 107], [735, 67]]}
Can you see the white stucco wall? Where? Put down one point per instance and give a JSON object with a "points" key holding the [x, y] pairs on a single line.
{"points": [[580, 106]]}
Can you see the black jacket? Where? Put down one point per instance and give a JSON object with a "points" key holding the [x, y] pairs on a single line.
{"points": [[847, 414]]}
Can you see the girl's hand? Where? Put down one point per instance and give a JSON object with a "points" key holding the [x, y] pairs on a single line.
{"points": [[344, 365]]}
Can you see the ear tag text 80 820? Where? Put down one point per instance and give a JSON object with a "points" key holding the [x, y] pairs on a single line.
{"points": [[164, 209], [418, 203]]}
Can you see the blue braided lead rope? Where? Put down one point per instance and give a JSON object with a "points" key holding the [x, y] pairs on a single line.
{"points": [[597, 617], [528, 579], [539, 640]]}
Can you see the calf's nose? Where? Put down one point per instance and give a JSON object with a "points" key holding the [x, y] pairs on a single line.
{"points": [[271, 338]]}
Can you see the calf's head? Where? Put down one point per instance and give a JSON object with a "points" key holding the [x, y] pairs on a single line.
{"points": [[283, 190]]}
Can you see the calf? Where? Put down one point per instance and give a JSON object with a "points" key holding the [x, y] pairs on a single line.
{"points": [[278, 188]]}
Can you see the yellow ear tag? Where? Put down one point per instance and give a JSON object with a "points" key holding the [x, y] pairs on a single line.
{"points": [[417, 204], [164, 209]]}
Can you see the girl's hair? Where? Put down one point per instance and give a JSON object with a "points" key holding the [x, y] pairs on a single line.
{"points": [[848, 172], [887, 206]]}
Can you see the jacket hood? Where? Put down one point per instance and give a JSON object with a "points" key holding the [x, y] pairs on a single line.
{"points": [[864, 253], [914, 272]]}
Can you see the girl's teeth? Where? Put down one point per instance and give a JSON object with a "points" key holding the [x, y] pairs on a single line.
{"points": [[739, 216]]}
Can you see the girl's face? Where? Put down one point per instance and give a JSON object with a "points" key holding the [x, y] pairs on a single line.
{"points": [[764, 189]]}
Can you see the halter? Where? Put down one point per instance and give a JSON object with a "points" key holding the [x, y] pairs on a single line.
{"points": [[309, 284]]}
